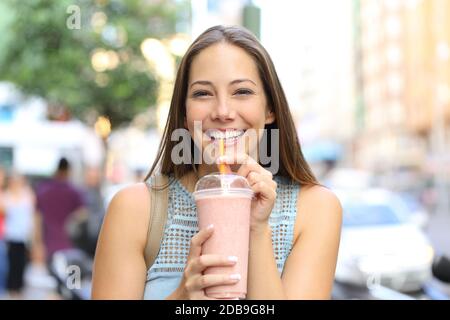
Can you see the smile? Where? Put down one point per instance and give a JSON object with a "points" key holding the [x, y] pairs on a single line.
{"points": [[230, 136]]}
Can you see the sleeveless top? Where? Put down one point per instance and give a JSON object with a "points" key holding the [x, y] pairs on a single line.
{"points": [[164, 276], [18, 218]]}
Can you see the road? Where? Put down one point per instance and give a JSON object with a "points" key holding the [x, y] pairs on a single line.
{"points": [[437, 231]]}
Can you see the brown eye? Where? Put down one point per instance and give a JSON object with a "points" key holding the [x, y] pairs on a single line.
{"points": [[198, 94], [243, 92]]}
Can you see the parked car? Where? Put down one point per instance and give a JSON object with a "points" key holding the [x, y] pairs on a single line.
{"points": [[441, 268], [417, 212], [405, 205], [380, 246]]}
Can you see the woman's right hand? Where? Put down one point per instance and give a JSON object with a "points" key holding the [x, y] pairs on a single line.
{"points": [[194, 281]]}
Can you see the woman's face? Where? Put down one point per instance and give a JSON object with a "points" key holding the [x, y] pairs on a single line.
{"points": [[226, 95], [16, 181]]}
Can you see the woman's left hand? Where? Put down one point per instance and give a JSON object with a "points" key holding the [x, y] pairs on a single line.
{"points": [[262, 184]]}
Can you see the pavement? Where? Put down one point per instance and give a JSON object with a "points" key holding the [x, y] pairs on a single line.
{"points": [[39, 285]]}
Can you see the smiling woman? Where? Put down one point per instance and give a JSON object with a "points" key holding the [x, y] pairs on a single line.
{"points": [[232, 99], [226, 89]]}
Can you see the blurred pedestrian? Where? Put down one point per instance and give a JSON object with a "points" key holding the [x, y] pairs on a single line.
{"points": [[18, 204], [90, 228], [3, 257], [59, 205]]}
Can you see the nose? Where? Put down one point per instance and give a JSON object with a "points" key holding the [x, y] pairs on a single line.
{"points": [[223, 111]]}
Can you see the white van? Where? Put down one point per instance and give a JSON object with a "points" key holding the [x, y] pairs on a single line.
{"points": [[34, 147]]}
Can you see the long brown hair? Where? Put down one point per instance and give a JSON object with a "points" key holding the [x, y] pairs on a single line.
{"points": [[292, 162]]}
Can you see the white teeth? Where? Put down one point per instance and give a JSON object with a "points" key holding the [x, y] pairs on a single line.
{"points": [[216, 134]]}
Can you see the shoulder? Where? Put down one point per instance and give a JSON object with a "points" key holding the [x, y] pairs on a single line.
{"points": [[317, 205], [317, 195], [131, 200], [119, 265], [129, 212]]}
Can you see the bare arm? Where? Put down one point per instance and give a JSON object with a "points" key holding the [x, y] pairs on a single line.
{"points": [[309, 269], [119, 266], [264, 282], [37, 238]]}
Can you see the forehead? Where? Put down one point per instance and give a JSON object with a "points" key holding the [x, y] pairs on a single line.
{"points": [[223, 61]]}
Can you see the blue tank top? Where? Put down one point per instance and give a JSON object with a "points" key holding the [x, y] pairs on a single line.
{"points": [[164, 276]]}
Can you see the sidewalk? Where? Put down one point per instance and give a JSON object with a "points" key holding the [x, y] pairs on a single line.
{"points": [[39, 285]]}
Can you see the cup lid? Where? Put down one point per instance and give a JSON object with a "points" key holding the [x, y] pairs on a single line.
{"points": [[217, 182]]}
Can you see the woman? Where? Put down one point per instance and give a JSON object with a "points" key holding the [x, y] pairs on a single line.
{"points": [[3, 257], [226, 81], [18, 204]]}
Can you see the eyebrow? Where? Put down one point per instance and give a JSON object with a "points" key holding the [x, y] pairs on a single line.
{"points": [[209, 83]]}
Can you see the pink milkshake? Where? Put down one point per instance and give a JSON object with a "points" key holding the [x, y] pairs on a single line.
{"points": [[224, 200]]}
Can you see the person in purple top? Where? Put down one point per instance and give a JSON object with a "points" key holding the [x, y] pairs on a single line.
{"points": [[58, 204]]}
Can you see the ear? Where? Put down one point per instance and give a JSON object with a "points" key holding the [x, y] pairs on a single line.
{"points": [[270, 117]]}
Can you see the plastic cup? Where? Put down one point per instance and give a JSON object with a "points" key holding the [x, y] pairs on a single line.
{"points": [[224, 200]]}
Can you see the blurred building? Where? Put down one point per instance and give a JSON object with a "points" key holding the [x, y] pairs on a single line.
{"points": [[131, 151], [207, 13], [403, 73], [311, 45]]}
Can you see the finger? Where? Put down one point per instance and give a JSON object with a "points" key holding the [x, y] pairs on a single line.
{"points": [[224, 168], [197, 241], [254, 177], [238, 158], [210, 280], [245, 169], [264, 190], [202, 262], [247, 163]]}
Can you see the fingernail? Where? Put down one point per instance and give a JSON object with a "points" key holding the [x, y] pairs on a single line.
{"points": [[209, 227], [236, 276], [233, 258]]}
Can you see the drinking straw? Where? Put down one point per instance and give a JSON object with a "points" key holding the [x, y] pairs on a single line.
{"points": [[222, 166]]}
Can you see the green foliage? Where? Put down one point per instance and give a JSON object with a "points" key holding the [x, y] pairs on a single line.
{"points": [[47, 58]]}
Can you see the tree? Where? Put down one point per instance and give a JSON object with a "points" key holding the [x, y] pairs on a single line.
{"points": [[85, 55]]}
